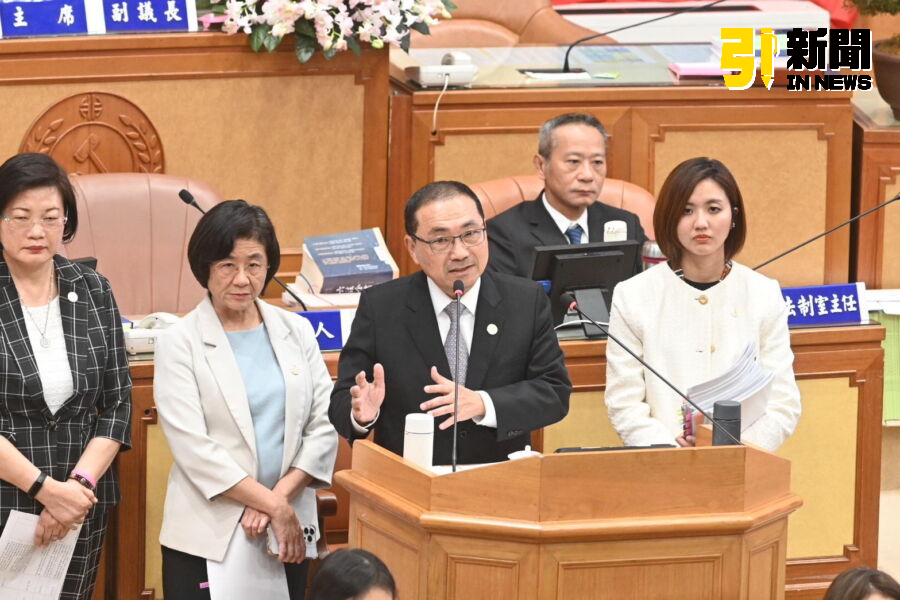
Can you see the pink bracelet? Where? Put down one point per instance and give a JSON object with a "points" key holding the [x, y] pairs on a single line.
{"points": [[85, 476]]}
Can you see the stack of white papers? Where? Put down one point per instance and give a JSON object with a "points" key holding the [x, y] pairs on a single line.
{"points": [[28, 572], [744, 382]]}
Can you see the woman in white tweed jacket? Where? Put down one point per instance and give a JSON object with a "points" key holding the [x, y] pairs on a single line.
{"points": [[691, 317]]}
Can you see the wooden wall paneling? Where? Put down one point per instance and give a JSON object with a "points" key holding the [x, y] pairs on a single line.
{"points": [[97, 132], [375, 138], [488, 140], [877, 156], [764, 555], [760, 144], [863, 364], [639, 120], [501, 570], [399, 186], [346, 157], [126, 539], [658, 568], [398, 543]]}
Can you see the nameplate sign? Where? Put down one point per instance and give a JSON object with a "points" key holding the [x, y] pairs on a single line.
{"points": [[81, 17], [825, 304], [331, 326]]}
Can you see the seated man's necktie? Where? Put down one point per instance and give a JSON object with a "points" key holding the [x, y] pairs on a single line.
{"points": [[574, 233]]}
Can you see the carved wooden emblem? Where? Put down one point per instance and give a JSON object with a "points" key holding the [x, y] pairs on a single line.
{"points": [[95, 132]]}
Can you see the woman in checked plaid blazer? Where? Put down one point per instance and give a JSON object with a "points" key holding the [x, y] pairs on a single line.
{"points": [[65, 389]]}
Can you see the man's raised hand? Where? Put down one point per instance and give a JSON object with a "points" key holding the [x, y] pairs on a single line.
{"points": [[366, 396]]}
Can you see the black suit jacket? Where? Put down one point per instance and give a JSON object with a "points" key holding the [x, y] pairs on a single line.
{"points": [[514, 234], [521, 366]]}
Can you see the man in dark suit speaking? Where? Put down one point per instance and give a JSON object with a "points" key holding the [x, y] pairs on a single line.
{"points": [[512, 376], [571, 160]]}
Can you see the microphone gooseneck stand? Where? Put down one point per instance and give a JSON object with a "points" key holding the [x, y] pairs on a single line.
{"points": [[458, 291], [188, 199], [569, 298]]}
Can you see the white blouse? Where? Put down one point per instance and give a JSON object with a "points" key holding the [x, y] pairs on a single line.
{"points": [[52, 361], [689, 336]]}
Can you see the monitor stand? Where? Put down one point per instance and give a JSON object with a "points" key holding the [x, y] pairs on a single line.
{"points": [[591, 303]]}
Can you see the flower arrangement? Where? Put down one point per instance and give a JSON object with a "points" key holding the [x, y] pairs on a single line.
{"points": [[328, 25]]}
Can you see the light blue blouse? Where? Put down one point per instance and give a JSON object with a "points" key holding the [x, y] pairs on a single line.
{"points": [[264, 385]]}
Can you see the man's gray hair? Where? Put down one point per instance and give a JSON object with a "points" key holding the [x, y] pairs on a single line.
{"points": [[545, 141]]}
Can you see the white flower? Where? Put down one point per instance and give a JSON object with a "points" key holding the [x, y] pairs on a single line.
{"points": [[282, 28]]}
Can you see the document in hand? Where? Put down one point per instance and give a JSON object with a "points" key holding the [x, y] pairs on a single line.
{"points": [[744, 382], [28, 572]]}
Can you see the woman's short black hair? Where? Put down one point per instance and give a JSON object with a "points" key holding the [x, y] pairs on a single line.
{"points": [[858, 584], [346, 574], [224, 224], [32, 170]]}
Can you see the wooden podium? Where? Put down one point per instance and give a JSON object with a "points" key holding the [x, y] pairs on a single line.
{"points": [[700, 523]]}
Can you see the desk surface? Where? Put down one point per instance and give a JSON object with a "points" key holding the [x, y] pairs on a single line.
{"points": [[610, 65]]}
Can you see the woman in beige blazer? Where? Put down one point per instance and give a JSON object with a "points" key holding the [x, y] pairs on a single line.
{"points": [[242, 394]]}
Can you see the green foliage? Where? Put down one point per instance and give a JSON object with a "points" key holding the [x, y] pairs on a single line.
{"points": [[262, 38], [874, 7], [271, 42], [304, 27], [891, 46], [305, 40], [259, 36], [353, 44], [305, 47]]}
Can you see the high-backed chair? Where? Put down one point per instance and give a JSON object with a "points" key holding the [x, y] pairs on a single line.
{"points": [[138, 229], [501, 194], [484, 23]]}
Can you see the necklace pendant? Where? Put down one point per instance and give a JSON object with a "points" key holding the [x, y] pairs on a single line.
{"points": [[45, 343]]}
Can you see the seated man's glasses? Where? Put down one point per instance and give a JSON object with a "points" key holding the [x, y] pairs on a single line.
{"points": [[441, 245]]}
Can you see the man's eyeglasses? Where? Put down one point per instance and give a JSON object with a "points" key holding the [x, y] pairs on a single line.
{"points": [[26, 223], [442, 245]]}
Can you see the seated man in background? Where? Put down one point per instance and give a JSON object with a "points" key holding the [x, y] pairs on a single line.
{"points": [[571, 160], [398, 357]]}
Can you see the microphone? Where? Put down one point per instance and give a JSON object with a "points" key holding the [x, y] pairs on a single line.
{"points": [[458, 290], [823, 234], [569, 298], [188, 198], [566, 69]]}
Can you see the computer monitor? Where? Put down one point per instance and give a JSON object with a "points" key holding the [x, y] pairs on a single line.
{"points": [[590, 271]]}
